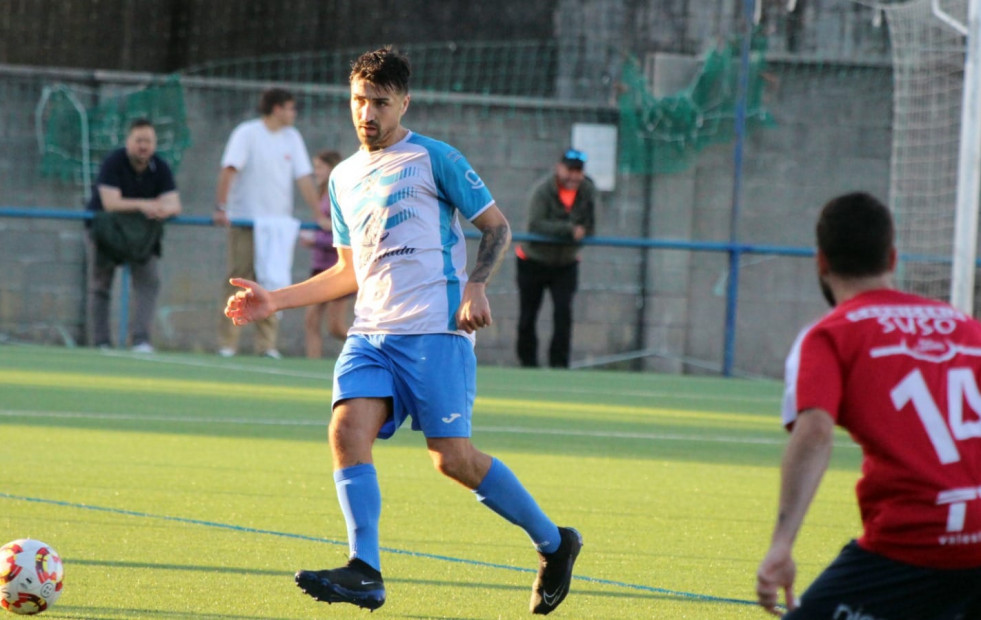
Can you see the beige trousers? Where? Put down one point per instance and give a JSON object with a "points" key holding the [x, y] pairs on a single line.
{"points": [[241, 264]]}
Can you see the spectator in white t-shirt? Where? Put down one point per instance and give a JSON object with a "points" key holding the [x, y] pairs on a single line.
{"points": [[262, 159]]}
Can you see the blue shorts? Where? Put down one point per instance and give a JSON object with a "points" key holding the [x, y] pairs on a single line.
{"points": [[429, 377]]}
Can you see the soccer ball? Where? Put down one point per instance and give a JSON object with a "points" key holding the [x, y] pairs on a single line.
{"points": [[31, 576]]}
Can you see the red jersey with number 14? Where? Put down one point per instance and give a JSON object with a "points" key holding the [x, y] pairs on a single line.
{"points": [[901, 372]]}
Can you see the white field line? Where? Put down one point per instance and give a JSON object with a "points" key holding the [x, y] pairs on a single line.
{"points": [[326, 376], [80, 415], [261, 370], [517, 430], [653, 394]]}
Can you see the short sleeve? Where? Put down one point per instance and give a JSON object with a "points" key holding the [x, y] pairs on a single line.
{"points": [[342, 233], [301, 157], [791, 370], [110, 173], [165, 179], [819, 383], [459, 184], [237, 150]]}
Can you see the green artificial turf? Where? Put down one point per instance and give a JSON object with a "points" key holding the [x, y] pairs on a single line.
{"points": [[180, 485]]}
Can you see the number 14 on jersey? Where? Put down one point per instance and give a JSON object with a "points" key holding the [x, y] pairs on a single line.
{"points": [[962, 388]]}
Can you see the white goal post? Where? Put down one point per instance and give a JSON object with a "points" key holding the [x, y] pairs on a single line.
{"points": [[969, 166], [936, 157]]}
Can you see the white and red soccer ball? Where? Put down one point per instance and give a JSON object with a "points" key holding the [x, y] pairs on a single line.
{"points": [[32, 576]]}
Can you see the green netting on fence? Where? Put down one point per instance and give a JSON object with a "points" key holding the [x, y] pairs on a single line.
{"points": [[656, 134], [518, 68], [664, 134], [74, 134]]}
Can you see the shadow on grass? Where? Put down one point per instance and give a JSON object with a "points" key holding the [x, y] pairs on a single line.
{"points": [[578, 589], [639, 592]]}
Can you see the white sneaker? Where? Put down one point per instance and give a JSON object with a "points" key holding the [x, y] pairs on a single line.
{"points": [[273, 354], [226, 352], [143, 347]]}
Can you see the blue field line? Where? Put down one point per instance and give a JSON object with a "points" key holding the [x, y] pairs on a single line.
{"points": [[430, 556]]}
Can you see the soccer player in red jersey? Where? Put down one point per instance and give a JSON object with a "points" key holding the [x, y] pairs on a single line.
{"points": [[899, 372]]}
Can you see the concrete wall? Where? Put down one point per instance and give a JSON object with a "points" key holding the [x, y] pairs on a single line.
{"points": [[831, 135], [593, 36]]}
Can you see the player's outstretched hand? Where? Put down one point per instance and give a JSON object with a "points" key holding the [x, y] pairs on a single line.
{"points": [[474, 311], [777, 572], [252, 303]]}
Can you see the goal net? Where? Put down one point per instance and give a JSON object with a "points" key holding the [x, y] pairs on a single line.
{"points": [[928, 77]]}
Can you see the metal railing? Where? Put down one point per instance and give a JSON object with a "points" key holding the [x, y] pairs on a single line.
{"points": [[734, 250]]}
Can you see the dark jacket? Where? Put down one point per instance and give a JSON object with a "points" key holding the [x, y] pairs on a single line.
{"points": [[129, 236], [547, 216], [116, 171]]}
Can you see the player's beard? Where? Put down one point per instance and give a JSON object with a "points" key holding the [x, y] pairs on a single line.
{"points": [[368, 140], [376, 140], [829, 295]]}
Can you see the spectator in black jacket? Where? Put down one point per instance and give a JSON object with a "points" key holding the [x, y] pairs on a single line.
{"points": [[132, 180], [562, 206]]}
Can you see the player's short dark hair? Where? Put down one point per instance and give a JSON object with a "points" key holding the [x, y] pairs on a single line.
{"points": [[385, 67], [855, 232], [138, 123], [272, 97]]}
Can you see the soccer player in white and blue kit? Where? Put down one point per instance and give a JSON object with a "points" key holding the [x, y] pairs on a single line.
{"points": [[395, 211]]}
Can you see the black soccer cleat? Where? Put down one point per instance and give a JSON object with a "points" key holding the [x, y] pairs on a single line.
{"points": [[357, 583], [555, 573]]}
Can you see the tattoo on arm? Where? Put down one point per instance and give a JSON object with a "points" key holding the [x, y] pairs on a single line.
{"points": [[490, 253]]}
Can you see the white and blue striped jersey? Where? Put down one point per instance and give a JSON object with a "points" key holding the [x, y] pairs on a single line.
{"points": [[396, 209]]}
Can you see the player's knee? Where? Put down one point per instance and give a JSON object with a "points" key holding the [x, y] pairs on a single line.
{"points": [[451, 465], [458, 465], [356, 426], [342, 432]]}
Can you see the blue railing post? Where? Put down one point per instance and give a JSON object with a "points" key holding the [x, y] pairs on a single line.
{"points": [[124, 279], [732, 298], [735, 253]]}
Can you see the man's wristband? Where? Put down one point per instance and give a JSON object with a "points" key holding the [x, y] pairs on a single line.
{"points": [[220, 207]]}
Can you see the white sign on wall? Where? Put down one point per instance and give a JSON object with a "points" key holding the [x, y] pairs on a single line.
{"points": [[599, 143]]}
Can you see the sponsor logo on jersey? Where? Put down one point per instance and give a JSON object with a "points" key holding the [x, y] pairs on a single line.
{"points": [[474, 179], [929, 351], [403, 251]]}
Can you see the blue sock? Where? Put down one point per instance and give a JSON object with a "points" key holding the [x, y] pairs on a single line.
{"points": [[502, 492], [360, 498]]}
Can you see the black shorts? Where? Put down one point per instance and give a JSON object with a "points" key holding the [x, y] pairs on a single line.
{"points": [[860, 585]]}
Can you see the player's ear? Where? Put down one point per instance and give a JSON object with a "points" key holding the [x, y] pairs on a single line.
{"points": [[405, 103], [893, 257], [823, 266]]}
